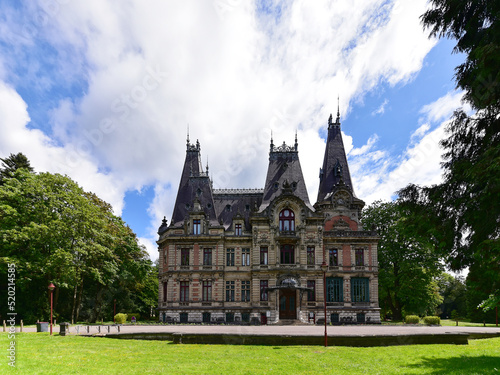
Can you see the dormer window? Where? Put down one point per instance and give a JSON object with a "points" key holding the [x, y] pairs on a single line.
{"points": [[287, 220], [196, 226], [237, 229]]}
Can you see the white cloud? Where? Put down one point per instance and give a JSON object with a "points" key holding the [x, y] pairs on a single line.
{"points": [[381, 110], [377, 174], [231, 73]]}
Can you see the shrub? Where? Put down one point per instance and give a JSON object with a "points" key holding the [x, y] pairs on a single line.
{"points": [[412, 319], [130, 315], [432, 320], [120, 318]]}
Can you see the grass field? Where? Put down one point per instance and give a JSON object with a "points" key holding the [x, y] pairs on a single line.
{"points": [[38, 353]]}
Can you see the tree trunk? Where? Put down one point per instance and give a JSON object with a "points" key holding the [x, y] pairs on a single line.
{"points": [[398, 313], [74, 304], [79, 302]]}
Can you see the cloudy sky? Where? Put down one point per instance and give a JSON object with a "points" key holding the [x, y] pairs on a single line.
{"points": [[104, 91]]}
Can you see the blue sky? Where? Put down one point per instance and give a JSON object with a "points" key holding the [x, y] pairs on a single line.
{"points": [[105, 94]]}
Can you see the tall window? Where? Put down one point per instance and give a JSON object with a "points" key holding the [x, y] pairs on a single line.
{"points": [[196, 226], [184, 291], [245, 291], [264, 284], [360, 289], [165, 291], [311, 294], [230, 257], [334, 289], [237, 229], [207, 291], [207, 257], [310, 255], [287, 220], [287, 252], [184, 257], [334, 257], [229, 291], [359, 256], [245, 257], [263, 255]]}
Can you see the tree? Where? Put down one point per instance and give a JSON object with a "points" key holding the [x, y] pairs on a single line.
{"points": [[453, 291], [407, 263], [56, 232], [466, 203], [12, 164]]}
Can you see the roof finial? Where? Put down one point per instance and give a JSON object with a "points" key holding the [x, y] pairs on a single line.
{"points": [[272, 144], [338, 110], [187, 138], [296, 143], [207, 166]]}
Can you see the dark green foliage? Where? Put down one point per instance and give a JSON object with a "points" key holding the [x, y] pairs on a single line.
{"points": [[131, 315], [454, 293], [408, 262], [56, 232], [412, 319], [12, 164], [462, 214], [432, 320], [475, 26]]}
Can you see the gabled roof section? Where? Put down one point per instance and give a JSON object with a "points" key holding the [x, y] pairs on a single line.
{"points": [[194, 184], [284, 175], [335, 168]]}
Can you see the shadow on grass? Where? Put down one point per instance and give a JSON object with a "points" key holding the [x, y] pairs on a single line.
{"points": [[483, 365]]}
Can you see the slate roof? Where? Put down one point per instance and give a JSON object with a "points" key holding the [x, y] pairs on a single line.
{"points": [[195, 183], [231, 202], [335, 167], [284, 172]]}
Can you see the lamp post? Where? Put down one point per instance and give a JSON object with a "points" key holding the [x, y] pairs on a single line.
{"points": [[51, 288], [324, 267]]}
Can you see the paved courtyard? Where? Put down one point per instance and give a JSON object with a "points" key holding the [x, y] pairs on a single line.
{"points": [[299, 330]]}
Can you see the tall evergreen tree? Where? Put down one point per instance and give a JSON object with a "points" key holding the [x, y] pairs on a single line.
{"points": [[12, 163], [467, 201]]}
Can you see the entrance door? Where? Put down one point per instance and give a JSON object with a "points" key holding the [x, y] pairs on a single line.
{"points": [[287, 304]]}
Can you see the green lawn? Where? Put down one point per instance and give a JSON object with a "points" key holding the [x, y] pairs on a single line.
{"points": [[38, 353]]}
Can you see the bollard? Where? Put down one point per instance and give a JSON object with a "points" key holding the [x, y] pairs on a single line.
{"points": [[118, 329], [109, 328], [22, 325], [88, 328], [4, 326]]}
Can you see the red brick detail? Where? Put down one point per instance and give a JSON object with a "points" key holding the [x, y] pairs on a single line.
{"points": [[196, 254], [334, 220], [346, 256]]}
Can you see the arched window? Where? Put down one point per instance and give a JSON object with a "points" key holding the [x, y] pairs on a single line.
{"points": [[287, 220]]}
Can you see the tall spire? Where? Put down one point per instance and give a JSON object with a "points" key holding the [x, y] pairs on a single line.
{"points": [[194, 184], [338, 110], [335, 169]]}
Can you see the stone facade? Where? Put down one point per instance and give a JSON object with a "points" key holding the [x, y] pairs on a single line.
{"points": [[261, 255]]}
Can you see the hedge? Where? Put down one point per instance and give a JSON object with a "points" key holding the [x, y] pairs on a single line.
{"points": [[412, 319], [120, 318], [432, 320]]}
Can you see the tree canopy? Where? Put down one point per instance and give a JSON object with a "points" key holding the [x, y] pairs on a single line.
{"points": [[466, 204], [408, 263], [56, 232], [12, 163]]}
